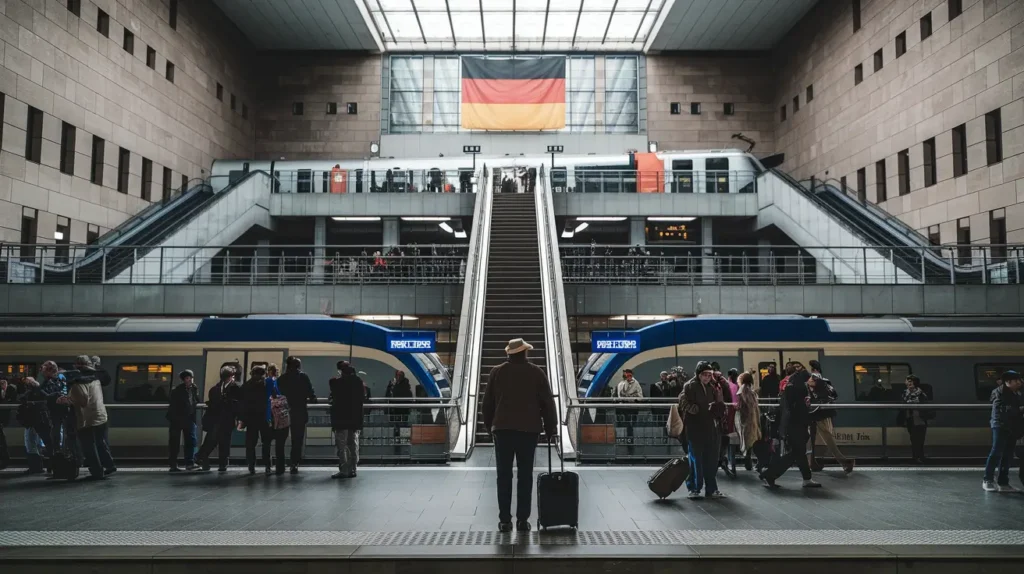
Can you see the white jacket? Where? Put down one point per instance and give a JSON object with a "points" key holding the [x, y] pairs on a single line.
{"points": [[630, 390]]}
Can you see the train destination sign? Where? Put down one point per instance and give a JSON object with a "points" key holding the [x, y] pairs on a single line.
{"points": [[412, 342], [614, 342]]}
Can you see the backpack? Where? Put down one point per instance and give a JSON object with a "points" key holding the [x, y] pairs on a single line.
{"points": [[280, 417]]}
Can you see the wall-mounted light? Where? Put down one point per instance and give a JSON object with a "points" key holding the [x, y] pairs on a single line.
{"points": [[58, 235], [681, 219], [357, 218]]}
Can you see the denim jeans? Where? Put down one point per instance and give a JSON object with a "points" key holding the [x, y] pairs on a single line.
{"points": [[188, 429], [1001, 455], [34, 444]]}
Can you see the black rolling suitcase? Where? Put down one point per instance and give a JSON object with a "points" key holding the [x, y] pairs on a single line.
{"points": [[558, 497], [669, 478]]}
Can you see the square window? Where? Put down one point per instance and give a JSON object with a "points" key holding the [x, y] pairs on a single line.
{"points": [[782, 114], [926, 26], [856, 14], [810, 94], [956, 7], [172, 17], [129, 41], [994, 137], [695, 109], [901, 44], [796, 104], [730, 109], [858, 74], [675, 109], [960, 150], [297, 109], [245, 112], [103, 23], [332, 108], [928, 151], [151, 57], [220, 92], [170, 72], [232, 102], [352, 108], [878, 60], [75, 7]]}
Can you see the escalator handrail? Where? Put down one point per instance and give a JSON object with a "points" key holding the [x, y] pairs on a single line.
{"points": [[895, 223], [151, 212]]}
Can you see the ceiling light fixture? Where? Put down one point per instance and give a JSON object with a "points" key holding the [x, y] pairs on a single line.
{"points": [[356, 218], [581, 227], [419, 218], [447, 228], [671, 218], [600, 218]]}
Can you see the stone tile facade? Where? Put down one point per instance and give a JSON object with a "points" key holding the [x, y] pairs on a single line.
{"points": [[968, 66], [711, 81], [315, 80], [61, 64]]}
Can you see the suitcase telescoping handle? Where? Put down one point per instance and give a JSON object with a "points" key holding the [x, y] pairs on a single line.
{"points": [[561, 461]]}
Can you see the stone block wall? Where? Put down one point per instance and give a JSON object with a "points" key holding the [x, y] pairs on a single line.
{"points": [[65, 66], [712, 81], [968, 67], [316, 80]]}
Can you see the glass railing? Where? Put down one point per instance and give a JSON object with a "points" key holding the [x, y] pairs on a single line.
{"points": [[342, 181], [570, 180]]}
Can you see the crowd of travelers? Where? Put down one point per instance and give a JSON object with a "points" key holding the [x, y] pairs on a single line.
{"points": [[427, 262]]}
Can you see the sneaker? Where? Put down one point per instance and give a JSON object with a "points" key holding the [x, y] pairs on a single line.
{"points": [[989, 486], [504, 527], [109, 471], [174, 469], [222, 469], [717, 494], [339, 475], [295, 470], [523, 526], [848, 467], [252, 470], [693, 495], [811, 484], [190, 467], [268, 471], [1006, 488]]}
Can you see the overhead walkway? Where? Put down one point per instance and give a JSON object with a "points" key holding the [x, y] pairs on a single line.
{"points": [[166, 241]]}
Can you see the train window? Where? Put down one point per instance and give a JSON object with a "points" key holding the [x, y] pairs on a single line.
{"points": [[305, 181], [682, 175], [16, 372], [144, 382], [880, 382], [986, 378], [717, 174]]}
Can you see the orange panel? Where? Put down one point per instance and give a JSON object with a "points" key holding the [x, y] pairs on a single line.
{"points": [[650, 173], [597, 434], [429, 434]]}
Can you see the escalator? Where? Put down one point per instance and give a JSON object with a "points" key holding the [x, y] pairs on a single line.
{"points": [[116, 256], [893, 249]]}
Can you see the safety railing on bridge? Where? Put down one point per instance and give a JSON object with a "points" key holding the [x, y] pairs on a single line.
{"points": [[340, 181], [233, 265], [791, 265], [573, 180], [611, 430]]}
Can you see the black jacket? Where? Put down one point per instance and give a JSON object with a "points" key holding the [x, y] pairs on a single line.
{"points": [[824, 394], [346, 402], [401, 389], [1006, 413], [254, 402], [769, 387], [182, 405], [298, 389], [223, 405], [793, 403]]}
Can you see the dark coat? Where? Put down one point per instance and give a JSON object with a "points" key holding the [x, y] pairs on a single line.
{"points": [[298, 389], [701, 406], [402, 389], [254, 402], [181, 408], [346, 402], [223, 405], [793, 402], [1006, 413], [824, 394], [769, 387], [519, 398]]}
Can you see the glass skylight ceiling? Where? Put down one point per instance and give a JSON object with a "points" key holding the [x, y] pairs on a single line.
{"points": [[520, 25]]}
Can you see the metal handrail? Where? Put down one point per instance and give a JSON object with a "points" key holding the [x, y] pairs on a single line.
{"points": [[647, 404]]}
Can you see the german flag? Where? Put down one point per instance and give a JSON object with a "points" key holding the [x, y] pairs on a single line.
{"points": [[513, 94]]}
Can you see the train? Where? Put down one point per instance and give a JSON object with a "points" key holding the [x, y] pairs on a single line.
{"points": [[867, 360], [697, 171], [144, 356]]}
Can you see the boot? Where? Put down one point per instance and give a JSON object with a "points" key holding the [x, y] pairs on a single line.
{"points": [[35, 464]]}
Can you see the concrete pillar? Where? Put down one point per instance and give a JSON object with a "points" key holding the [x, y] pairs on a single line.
{"points": [[319, 240], [708, 247], [263, 258], [390, 231], [637, 232], [764, 256]]}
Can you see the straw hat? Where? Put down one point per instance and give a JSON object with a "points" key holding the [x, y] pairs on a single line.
{"points": [[516, 346]]}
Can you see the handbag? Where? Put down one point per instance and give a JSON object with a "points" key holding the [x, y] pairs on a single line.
{"points": [[280, 418], [675, 426]]}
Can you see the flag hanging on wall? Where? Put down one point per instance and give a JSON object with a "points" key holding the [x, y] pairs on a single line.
{"points": [[513, 94]]}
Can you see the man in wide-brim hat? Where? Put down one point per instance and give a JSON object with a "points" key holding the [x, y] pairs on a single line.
{"points": [[518, 406]]}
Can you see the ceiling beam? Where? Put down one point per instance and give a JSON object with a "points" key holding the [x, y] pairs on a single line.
{"points": [[448, 9], [640, 26], [514, 25], [576, 29], [544, 35], [609, 26], [418, 23], [483, 29], [387, 24]]}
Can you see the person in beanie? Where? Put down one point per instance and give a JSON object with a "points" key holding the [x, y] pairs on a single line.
{"points": [[517, 407], [181, 414], [702, 407]]}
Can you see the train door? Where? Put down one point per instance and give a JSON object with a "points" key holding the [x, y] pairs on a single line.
{"points": [[682, 176], [803, 356], [216, 359], [758, 362]]}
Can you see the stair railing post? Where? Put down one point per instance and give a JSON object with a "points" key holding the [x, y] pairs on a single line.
{"points": [[74, 268], [952, 272], [160, 276], [864, 252], [42, 266], [922, 252], [103, 266], [984, 266]]}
